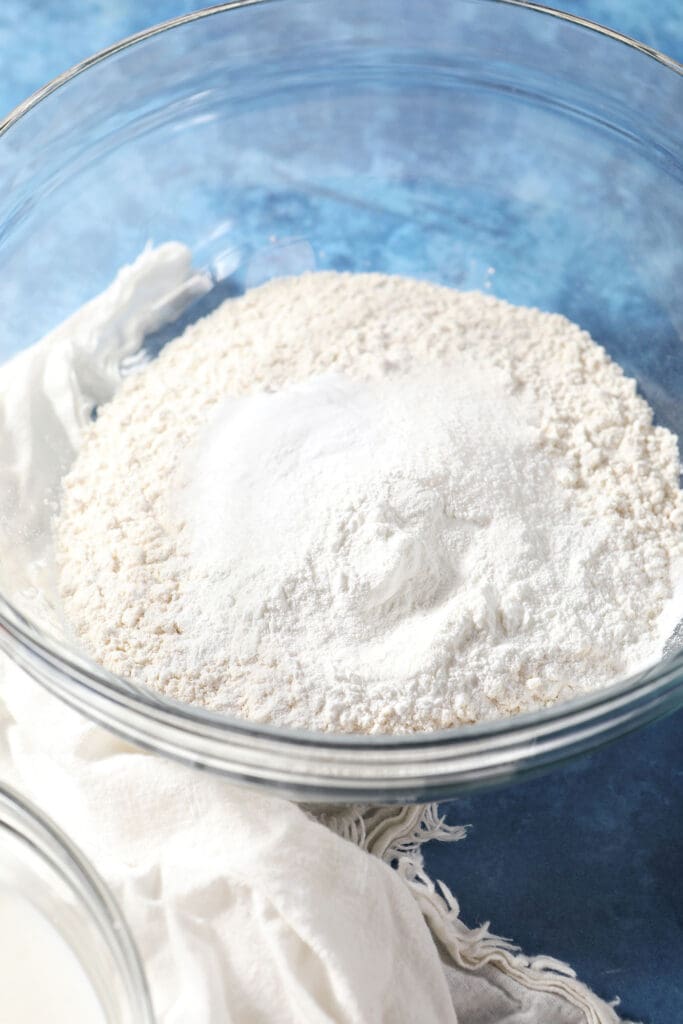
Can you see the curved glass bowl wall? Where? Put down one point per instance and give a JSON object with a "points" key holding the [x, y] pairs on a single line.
{"points": [[42, 866], [512, 150]]}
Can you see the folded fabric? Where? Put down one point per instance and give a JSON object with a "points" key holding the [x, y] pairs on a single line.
{"points": [[248, 908]]}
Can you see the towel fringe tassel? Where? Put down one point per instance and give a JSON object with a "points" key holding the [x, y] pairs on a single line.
{"points": [[396, 835]]}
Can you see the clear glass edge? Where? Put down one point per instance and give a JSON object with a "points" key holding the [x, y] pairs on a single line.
{"points": [[54, 847], [55, 83], [102, 687]]}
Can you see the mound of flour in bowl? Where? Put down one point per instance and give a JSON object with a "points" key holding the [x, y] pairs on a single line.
{"points": [[365, 503]]}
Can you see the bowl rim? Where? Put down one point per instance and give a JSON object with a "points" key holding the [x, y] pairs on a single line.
{"points": [[327, 763], [128, 696], [58, 81], [47, 842]]}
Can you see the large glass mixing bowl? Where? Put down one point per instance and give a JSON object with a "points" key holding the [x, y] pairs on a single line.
{"points": [[480, 144]]}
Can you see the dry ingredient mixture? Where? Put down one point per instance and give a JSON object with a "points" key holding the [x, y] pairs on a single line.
{"points": [[353, 502]]}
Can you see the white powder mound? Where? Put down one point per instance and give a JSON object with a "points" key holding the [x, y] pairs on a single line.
{"points": [[365, 503]]}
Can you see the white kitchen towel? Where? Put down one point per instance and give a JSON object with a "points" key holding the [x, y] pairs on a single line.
{"points": [[248, 908]]}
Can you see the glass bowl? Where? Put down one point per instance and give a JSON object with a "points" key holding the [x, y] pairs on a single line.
{"points": [[484, 144], [55, 885]]}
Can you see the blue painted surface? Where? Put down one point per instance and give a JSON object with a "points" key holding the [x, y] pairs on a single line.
{"points": [[585, 864], [40, 38]]}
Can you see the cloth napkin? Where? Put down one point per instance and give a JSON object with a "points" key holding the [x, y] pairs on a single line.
{"points": [[246, 908], [249, 908]]}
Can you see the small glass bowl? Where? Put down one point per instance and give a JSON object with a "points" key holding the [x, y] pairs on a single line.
{"points": [[42, 866], [489, 144]]}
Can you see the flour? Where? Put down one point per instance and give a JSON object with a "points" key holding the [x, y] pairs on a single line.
{"points": [[364, 503]]}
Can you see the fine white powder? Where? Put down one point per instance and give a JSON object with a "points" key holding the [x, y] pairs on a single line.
{"points": [[365, 503]]}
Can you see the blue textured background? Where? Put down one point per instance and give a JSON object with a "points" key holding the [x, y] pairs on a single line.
{"points": [[587, 863], [40, 38]]}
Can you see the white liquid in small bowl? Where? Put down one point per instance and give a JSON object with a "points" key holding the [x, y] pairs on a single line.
{"points": [[41, 978]]}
